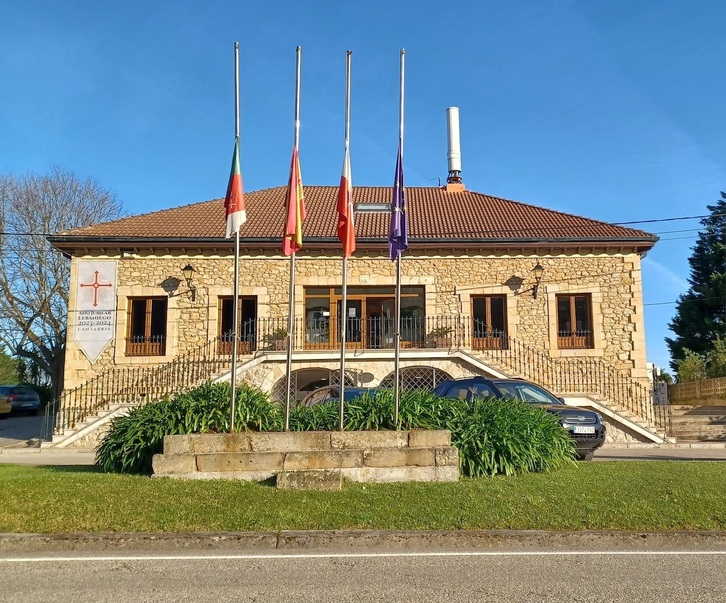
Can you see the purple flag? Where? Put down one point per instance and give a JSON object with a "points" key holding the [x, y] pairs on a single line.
{"points": [[398, 234]]}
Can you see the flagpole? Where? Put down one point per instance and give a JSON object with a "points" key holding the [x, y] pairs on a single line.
{"points": [[235, 300], [344, 304], [397, 336], [291, 292]]}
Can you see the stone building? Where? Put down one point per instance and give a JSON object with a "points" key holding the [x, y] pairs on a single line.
{"points": [[489, 286]]}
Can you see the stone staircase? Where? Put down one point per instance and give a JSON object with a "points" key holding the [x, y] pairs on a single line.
{"points": [[699, 423]]}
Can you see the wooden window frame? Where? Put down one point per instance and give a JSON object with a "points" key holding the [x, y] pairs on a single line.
{"points": [[148, 344], [575, 340], [491, 339], [246, 343]]}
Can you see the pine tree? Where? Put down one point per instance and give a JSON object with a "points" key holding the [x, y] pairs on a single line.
{"points": [[701, 311]]}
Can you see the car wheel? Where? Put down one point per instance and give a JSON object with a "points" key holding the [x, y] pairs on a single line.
{"points": [[585, 456], [4, 415]]}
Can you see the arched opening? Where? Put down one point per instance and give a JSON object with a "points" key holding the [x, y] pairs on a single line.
{"points": [[304, 381], [417, 377]]}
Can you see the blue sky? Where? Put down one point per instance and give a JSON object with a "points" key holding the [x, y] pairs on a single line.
{"points": [[609, 109]]}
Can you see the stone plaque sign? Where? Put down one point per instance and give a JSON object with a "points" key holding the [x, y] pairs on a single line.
{"points": [[95, 306]]}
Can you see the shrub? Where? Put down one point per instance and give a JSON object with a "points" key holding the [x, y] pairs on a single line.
{"points": [[493, 437], [134, 439], [692, 367]]}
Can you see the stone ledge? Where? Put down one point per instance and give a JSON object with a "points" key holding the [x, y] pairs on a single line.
{"points": [[366, 456], [330, 480]]}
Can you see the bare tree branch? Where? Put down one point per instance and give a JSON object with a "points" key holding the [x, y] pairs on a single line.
{"points": [[34, 278]]}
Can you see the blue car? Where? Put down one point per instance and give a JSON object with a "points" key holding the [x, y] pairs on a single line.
{"points": [[331, 393]]}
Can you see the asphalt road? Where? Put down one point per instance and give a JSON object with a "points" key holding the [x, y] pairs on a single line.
{"points": [[18, 429], [417, 575]]}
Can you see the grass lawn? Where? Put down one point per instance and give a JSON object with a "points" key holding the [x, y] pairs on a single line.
{"points": [[653, 495]]}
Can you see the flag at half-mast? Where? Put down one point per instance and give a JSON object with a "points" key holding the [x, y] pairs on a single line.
{"points": [[292, 239], [346, 227], [234, 201], [398, 233]]}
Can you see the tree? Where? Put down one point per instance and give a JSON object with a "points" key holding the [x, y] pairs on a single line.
{"points": [[701, 311], [716, 361], [34, 278], [692, 367], [9, 369]]}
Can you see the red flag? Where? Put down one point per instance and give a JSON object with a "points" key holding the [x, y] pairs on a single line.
{"points": [[234, 202], [292, 239], [346, 227]]}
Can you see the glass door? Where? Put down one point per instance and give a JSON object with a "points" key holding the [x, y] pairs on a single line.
{"points": [[353, 323], [388, 323]]}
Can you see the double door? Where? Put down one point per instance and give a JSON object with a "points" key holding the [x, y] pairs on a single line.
{"points": [[369, 322]]}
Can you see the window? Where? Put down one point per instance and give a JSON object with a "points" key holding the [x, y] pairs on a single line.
{"points": [[246, 325], [574, 321], [489, 317], [147, 326]]}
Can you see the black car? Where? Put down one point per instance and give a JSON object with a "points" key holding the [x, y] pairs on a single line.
{"points": [[584, 426]]}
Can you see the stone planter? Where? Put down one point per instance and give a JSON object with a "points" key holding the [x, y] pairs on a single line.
{"points": [[313, 459]]}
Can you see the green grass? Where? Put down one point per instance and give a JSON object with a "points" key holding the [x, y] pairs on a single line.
{"points": [[652, 495]]}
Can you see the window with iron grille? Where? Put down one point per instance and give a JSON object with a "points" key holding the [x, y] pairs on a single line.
{"points": [[146, 335], [489, 321], [246, 324], [416, 378], [574, 321]]}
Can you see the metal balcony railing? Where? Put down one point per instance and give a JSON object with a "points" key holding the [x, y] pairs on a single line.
{"points": [[141, 384]]}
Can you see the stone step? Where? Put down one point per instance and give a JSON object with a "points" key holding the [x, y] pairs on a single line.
{"points": [[700, 431], [699, 420]]}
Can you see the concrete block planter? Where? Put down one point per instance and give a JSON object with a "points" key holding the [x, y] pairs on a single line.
{"points": [[316, 460]]}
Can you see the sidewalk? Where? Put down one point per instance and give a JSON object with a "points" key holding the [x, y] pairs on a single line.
{"points": [[689, 451], [46, 456]]}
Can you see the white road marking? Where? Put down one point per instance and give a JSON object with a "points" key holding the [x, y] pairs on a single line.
{"points": [[353, 555]]}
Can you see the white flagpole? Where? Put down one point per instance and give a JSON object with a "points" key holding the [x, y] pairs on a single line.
{"points": [[344, 304], [397, 336], [291, 293], [235, 300]]}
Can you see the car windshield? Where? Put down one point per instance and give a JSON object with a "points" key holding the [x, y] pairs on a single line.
{"points": [[22, 390], [527, 392]]}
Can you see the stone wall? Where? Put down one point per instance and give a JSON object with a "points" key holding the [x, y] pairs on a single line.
{"points": [[613, 281], [360, 456]]}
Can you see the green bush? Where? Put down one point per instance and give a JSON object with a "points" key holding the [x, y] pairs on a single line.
{"points": [[692, 367], [493, 437], [134, 439]]}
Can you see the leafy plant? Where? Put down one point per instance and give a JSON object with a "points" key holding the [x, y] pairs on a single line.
{"points": [[493, 437], [437, 332], [277, 334], [692, 367]]}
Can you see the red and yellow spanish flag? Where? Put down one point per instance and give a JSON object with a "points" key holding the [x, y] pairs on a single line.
{"points": [[346, 228], [292, 239], [234, 201]]}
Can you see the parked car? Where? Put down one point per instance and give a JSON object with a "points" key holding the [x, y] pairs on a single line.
{"points": [[330, 393], [5, 407], [22, 398], [585, 427]]}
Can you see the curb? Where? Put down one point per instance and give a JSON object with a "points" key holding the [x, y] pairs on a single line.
{"points": [[365, 540], [676, 446]]}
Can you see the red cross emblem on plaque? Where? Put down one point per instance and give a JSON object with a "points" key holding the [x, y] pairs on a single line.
{"points": [[96, 285]]}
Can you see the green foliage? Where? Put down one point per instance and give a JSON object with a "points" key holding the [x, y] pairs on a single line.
{"points": [[134, 439], [493, 437], [701, 311], [716, 360], [692, 367], [9, 369]]}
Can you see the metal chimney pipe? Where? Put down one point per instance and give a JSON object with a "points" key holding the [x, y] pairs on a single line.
{"points": [[454, 155]]}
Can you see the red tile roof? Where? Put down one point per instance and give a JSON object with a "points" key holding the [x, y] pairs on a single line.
{"points": [[435, 215]]}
